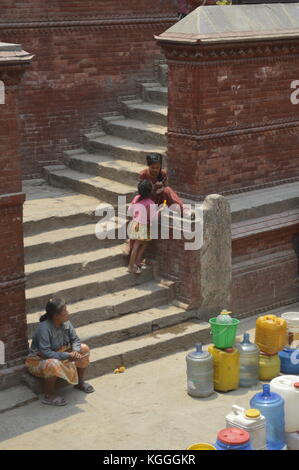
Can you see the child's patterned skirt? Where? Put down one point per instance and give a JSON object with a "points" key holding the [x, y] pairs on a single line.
{"points": [[137, 231]]}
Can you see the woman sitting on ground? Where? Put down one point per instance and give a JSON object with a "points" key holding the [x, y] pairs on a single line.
{"points": [[56, 351]]}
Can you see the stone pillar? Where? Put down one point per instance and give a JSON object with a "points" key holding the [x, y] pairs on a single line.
{"points": [[13, 327], [216, 256]]}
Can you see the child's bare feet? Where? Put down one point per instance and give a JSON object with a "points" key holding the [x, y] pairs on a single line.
{"points": [[126, 249]]}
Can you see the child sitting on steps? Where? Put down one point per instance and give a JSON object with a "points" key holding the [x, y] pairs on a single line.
{"points": [[143, 211]]}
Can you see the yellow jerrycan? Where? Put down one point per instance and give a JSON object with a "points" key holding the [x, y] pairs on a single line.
{"points": [[271, 333], [226, 368]]}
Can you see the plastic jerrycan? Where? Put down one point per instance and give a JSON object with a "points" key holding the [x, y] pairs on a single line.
{"points": [[271, 334], [271, 405], [199, 373], [289, 361], [249, 362], [269, 366], [233, 439], [287, 386], [292, 440], [226, 368], [251, 421]]}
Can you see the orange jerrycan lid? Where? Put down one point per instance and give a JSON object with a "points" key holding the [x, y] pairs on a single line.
{"points": [[296, 385], [233, 436]]}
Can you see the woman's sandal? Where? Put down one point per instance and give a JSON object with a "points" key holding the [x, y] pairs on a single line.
{"points": [[85, 387], [56, 401]]}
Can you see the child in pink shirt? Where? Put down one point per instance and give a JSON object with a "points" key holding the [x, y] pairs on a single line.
{"points": [[143, 210]]}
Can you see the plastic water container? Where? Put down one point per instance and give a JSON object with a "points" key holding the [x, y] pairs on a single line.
{"points": [[201, 446], [226, 368], [224, 332], [287, 386], [233, 439], [200, 373], [289, 361], [224, 317], [271, 405], [292, 440], [269, 366], [292, 319], [249, 362], [251, 421], [271, 333]]}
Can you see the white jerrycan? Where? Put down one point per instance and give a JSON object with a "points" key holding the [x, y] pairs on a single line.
{"points": [[287, 386], [252, 421]]}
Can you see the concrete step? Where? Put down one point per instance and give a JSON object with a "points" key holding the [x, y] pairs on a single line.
{"points": [[148, 347], [48, 208], [144, 111], [72, 266], [15, 397], [112, 305], [154, 93], [11, 376], [104, 166], [129, 326], [84, 287], [139, 131], [124, 149], [102, 188], [66, 241]]}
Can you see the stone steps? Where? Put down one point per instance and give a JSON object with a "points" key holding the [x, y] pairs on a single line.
{"points": [[112, 305], [96, 186], [123, 148], [145, 111], [139, 131], [72, 266], [147, 347], [84, 287], [66, 241], [128, 326], [154, 93], [104, 166]]}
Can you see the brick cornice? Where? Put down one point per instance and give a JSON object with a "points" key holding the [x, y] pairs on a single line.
{"points": [[90, 23], [10, 203], [202, 55]]}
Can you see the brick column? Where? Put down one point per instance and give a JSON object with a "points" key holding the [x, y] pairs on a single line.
{"points": [[13, 63]]}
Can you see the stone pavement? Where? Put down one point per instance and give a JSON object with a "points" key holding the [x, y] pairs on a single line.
{"points": [[146, 407]]}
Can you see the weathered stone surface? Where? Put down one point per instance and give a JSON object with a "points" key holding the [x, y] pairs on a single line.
{"points": [[216, 264]]}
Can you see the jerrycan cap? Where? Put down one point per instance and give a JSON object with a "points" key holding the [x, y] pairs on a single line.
{"points": [[229, 350], [233, 436], [199, 353], [252, 413], [296, 385]]}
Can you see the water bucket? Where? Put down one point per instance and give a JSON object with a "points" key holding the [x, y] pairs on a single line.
{"points": [[201, 446], [224, 335]]}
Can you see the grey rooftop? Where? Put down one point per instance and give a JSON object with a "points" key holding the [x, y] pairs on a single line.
{"points": [[226, 23]]}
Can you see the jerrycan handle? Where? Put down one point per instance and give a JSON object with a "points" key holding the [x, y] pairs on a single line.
{"points": [[238, 409]]}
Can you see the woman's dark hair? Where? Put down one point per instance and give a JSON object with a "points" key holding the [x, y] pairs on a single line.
{"points": [[54, 306], [152, 159], [145, 188]]}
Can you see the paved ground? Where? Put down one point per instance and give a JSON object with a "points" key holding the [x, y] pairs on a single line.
{"points": [[146, 407]]}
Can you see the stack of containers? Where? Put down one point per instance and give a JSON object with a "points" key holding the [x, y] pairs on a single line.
{"points": [[271, 337], [287, 386], [289, 357], [226, 358]]}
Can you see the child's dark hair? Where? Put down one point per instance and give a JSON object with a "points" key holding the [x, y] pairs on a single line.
{"points": [[153, 158], [54, 306], [145, 188]]}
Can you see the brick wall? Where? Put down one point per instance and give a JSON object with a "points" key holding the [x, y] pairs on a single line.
{"points": [[80, 69], [231, 122], [13, 330]]}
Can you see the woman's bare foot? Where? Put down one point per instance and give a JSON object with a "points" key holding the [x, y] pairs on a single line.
{"points": [[135, 270]]}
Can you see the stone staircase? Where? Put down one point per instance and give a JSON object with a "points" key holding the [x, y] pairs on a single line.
{"points": [[125, 319]]}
